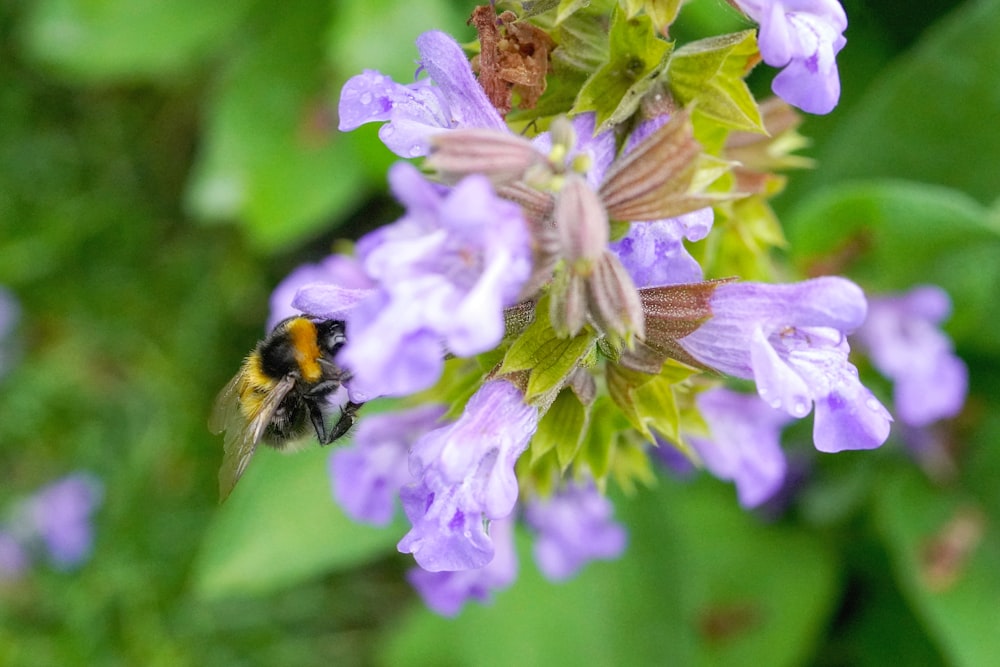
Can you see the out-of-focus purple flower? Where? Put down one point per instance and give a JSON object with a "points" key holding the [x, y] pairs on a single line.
{"points": [[60, 514], [673, 459], [653, 253], [368, 474], [450, 98], [14, 561], [466, 472], [903, 337], [804, 37], [572, 528], [744, 443], [10, 313], [447, 592], [791, 340], [444, 273], [336, 272]]}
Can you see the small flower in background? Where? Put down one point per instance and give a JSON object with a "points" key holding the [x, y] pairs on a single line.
{"points": [[466, 473], [573, 527], [14, 558], [10, 314], [903, 338], [56, 521], [368, 474], [804, 37], [447, 591], [792, 341], [743, 444]]}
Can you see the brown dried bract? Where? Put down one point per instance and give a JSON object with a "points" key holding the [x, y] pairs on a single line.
{"points": [[513, 58]]}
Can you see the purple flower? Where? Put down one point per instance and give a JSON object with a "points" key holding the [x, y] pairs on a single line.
{"points": [[446, 592], [791, 340], [466, 472], [597, 152], [743, 444], [368, 474], [653, 253], [60, 515], [444, 274], [418, 110], [905, 342], [14, 561], [336, 272], [804, 37], [10, 313], [573, 527]]}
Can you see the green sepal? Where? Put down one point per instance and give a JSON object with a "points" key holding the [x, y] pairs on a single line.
{"points": [[548, 358], [565, 422], [631, 465], [637, 57], [748, 230], [648, 401], [661, 12], [599, 444], [709, 74]]}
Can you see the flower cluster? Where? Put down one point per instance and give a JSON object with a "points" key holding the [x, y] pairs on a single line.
{"points": [[542, 310], [55, 521]]}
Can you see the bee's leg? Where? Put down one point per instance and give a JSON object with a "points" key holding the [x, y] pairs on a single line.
{"points": [[348, 415], [319, 424]]}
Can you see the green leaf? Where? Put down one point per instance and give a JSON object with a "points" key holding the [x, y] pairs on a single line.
{"points": [[117, 39], [898, 130], [272, 155], [636, 59], [947, 562], [548, 357], [709, 74], [892, 235], [702, 583], [281, 527], [563, 425]]}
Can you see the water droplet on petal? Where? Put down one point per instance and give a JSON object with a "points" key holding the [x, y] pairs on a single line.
{"points": [[800, 408], [873, 405], [387, 130], [366, 98], [416, 150], [776, 404]]}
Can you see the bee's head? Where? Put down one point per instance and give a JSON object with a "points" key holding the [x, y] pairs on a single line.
{"points": [[330, 336]]}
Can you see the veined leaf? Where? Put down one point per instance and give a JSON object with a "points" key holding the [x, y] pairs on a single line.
{"points": [[636, 59], [709, 74]]}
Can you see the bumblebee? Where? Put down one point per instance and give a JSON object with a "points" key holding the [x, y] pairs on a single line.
{"points": [[282, 389]]}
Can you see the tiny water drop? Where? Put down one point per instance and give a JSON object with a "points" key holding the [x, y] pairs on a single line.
{"points": [[366, 98], [415, 150], [800, 408], [776, 404], [873, 404]]}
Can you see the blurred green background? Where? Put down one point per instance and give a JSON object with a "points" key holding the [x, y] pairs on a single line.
{"points": [[164, 164]]}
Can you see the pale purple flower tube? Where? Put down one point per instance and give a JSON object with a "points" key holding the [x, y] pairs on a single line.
{"points": [[466, 472], [446, 592], [744, 443], [450, 98], [792, 341], [573, 527], [368, 474], [653, 252], [804, 37]]}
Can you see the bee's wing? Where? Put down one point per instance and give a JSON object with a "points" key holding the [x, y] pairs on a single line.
{"points": [[242, 432], [227, 406]]}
